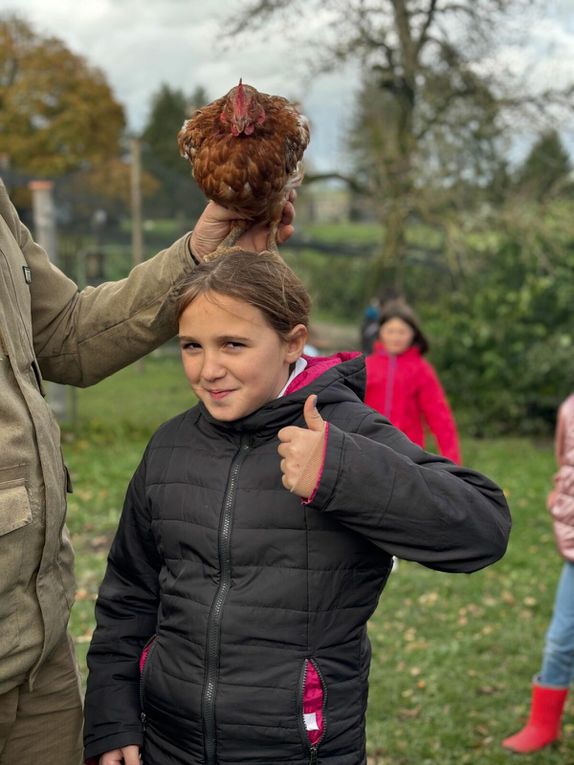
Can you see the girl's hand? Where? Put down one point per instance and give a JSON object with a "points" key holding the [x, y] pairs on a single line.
{"points": [[302, 451], [128, 755]]}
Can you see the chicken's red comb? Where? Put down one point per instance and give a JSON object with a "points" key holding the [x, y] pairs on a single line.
{"points": [[240, 95]]}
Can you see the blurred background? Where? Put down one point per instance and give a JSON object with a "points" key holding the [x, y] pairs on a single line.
{"points": [[440, 169], [440, 165]]}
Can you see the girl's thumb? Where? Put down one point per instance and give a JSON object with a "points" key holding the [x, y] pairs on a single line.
{"points": [[313, 419]]}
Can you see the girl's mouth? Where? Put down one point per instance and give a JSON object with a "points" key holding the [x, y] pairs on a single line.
{"points": [[217, 395]]}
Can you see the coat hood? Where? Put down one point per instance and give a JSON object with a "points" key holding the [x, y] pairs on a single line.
{"points": [[334, 379]]}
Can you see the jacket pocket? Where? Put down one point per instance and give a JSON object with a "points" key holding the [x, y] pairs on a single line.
{"points": [[15, 510], [15, 515], [144, 664], [312, 708]]}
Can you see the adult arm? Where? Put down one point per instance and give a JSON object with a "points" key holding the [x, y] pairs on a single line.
{"points": [[81, 337]]}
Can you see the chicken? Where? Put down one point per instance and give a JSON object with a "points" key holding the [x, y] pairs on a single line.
{"points": [[245, 151]]}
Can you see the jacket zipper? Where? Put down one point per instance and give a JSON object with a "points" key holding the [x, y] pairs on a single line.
{"points": [[389, 392], [216, 612], [150, 645], [313, 748]]}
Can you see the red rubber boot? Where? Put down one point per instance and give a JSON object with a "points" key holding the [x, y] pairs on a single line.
{"points": [[543, 726]]}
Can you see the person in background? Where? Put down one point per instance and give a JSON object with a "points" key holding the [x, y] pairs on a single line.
{"points": [[50, 330], [403, 386], [551, 685], [370, 325]]}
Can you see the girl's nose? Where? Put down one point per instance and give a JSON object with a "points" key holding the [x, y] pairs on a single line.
{"points": [[212, 369]]}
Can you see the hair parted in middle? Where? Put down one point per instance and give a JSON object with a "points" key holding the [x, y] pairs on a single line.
{"points": [[261, 279]]}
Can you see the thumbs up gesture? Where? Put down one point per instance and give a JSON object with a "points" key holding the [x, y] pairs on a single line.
{"points": [[301, 450]]}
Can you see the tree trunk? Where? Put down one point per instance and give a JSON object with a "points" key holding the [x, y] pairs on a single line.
{"points": [[399, 149], [388, 274]]}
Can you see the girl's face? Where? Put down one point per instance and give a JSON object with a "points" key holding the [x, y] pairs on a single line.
{"points": [[234, 360], [396, 335]]}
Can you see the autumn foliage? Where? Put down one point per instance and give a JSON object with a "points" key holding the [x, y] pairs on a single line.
{"points": [[57, 113]]}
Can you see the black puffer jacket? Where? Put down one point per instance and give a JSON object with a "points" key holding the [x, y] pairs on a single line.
{"points": [[250, 598]]}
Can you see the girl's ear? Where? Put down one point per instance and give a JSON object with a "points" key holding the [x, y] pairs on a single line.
{"points": [[295, 342]]}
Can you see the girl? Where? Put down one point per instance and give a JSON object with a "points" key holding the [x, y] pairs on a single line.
{"points": [[550, 687], [231, 622], [403, 386]]}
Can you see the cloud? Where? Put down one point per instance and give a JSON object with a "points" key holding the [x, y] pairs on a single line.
{"points": [[140, 45]]}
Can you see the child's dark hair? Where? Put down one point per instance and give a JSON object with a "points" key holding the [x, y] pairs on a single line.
{"points": [[399, 309], [261, 279]]}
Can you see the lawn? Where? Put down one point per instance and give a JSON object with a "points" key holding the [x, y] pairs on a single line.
{"points": [[453, 655]]}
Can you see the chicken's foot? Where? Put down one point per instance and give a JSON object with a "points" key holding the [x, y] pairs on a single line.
{"points": [[237, 229], [272, 237]]}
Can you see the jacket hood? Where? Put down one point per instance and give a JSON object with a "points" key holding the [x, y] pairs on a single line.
{"points": [[337, 378]]}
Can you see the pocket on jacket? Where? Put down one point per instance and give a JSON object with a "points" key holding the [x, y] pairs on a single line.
{"points": [[144, 661], [15, 515], [312, 707]]}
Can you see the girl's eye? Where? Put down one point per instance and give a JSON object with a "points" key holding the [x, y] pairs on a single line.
{"points": [[234, 345], [190, 347]]}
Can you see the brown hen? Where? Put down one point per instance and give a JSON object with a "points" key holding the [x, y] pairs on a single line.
{"points": [[245, 151]]}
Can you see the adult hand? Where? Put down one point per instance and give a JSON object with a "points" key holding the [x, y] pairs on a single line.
{"points": [[302, 449], [216, 222], [128, 755]]}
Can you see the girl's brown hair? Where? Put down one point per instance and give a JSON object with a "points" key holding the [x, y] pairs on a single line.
{"points": [[398, 309], [261, 279]]}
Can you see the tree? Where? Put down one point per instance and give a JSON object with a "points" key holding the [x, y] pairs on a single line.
{"points": [[504, 341], [424, 88], [167, 113], [57, 113], [178, 194], [546, 170]]}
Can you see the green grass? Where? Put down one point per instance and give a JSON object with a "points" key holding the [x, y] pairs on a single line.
{"points": [[453, 655], [358, 233]]}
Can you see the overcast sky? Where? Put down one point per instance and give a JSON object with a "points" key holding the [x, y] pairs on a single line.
{"points": [[140, 44]]}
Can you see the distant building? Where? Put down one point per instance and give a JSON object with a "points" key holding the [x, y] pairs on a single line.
{"points": [[332, 202], [324, 203]]}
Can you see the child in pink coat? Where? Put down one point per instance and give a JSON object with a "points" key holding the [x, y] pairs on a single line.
{"points": [[550, 687], [404, 387]]}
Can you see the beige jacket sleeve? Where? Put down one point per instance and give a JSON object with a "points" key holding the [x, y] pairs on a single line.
{"points": [[81, 337]]}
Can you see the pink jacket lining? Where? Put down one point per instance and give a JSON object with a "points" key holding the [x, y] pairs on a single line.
{"points": [[313, 701]]}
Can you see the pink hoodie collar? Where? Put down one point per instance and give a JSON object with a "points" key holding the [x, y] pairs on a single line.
{"points": [[316, 365]]}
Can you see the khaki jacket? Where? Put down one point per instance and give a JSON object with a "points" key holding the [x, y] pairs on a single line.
{"points": [[50, 330]]}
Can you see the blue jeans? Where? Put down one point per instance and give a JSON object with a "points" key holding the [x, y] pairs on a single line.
{"points": [[558, 662]]}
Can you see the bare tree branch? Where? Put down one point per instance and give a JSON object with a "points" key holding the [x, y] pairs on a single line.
{"points": [[351, 182], [426, 26]]}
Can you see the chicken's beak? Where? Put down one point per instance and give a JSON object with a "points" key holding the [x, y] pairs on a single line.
{"points": [[239, 125]]}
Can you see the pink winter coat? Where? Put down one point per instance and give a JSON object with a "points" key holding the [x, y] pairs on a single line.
{"points": [[406, 389], [561, 500]]}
